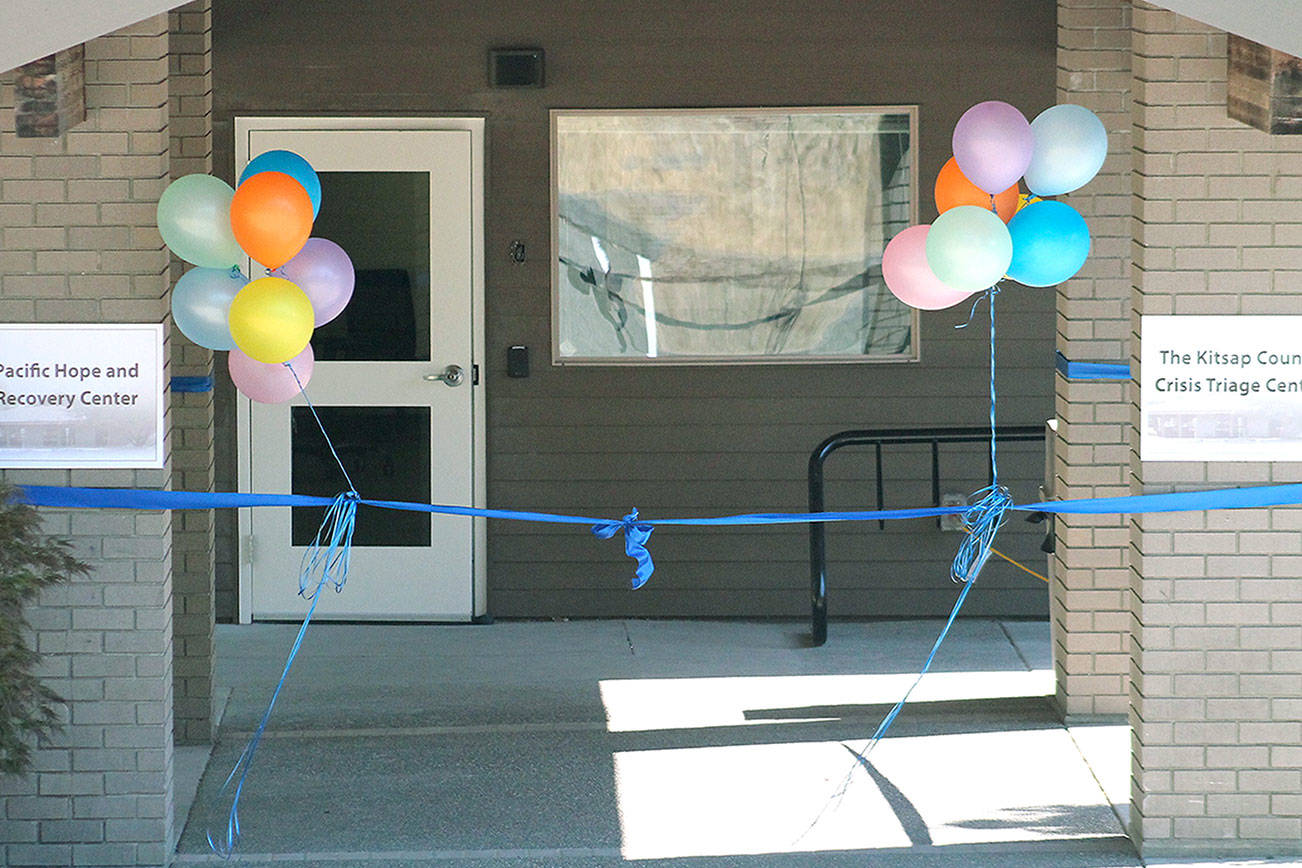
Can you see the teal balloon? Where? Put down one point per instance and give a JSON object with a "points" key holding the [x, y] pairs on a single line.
{"points": [[291, 164], [194, 218], [200, 301], [1071, 144], [968, 248], [1050, 243]]}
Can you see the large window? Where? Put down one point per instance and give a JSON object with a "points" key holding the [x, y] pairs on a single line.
{"points": [[730, 235]]}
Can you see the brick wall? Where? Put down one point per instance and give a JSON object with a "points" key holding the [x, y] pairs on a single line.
{"points": [[78, 244], [190, 152], [1089, 606], [1216, 679]]}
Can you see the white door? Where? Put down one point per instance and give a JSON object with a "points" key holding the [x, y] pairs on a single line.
{"points": [[406, 205]]}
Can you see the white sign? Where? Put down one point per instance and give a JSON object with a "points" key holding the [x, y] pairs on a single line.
{"points": [[1221, 388], [81, 395]]}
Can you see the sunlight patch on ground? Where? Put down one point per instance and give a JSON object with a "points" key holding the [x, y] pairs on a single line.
{"points": [[746, 799], [642, 704], [1107, 751], [930, 790]]}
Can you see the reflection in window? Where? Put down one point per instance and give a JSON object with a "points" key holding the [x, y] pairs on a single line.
{"points": [[763, 231], [382, 220]]}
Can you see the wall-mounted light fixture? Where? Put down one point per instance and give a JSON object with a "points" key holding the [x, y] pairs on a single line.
{"points": [[515, 67]]}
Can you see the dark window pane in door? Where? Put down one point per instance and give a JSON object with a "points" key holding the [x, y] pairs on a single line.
{"points": [[381, 220], [387, 453]]}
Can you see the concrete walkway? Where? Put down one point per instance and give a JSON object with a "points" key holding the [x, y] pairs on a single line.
{"points": [[658, 743]]}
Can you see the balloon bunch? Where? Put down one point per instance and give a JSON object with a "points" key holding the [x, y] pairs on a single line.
{"points": [[987, 229], [267, 323]]}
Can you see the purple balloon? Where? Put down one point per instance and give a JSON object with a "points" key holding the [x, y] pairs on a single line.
{"points": [[325, 273], [993, 144], [270, 383]]}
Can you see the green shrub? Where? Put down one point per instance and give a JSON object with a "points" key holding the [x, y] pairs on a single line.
{"points": [[29, 561]]}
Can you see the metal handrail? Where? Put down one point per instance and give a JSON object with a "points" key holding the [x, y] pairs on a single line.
{"points": [[880, 437]]}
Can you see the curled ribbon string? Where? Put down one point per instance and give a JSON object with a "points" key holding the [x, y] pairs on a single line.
{"points": [[330, 553], [327, 557], [990, 504], [982, 520], [971, 314], [636, 534]]}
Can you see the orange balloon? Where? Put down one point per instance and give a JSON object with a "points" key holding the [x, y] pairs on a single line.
{"points": [[954, 189], [271, 216]]}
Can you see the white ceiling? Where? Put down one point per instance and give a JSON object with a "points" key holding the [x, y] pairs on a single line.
{"points": [[1277, 23], [29, 28], [34, 28]]}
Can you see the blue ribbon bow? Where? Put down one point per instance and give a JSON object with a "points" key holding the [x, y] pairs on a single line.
{"points": [[636, 535]]}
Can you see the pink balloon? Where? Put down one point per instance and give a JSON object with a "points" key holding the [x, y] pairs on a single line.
{"points": [[993, 144], [325, 273], [910, 278], [270, 383]]}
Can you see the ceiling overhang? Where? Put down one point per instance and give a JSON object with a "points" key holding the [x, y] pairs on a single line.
{"points": [[34, 28], [30, 29], [1273, 23]]}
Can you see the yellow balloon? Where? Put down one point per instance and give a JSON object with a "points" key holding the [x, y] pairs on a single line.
{"points": [[271, 320], [1024, 199]]}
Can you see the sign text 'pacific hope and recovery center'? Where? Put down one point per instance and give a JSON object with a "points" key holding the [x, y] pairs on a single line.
{"points": [[81, 395]]}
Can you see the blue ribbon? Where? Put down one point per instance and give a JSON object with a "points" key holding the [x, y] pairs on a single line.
{"points": [[1090, 370], [637, 530], [636, 534]]}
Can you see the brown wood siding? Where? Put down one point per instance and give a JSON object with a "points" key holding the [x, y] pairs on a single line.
{"points": [[690, 440]]}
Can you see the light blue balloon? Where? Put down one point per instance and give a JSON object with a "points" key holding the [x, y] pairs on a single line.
{"points": [[194, 218], [968, 248], [1070, 147], [200, 301], [1050, 243], [291, 164]]}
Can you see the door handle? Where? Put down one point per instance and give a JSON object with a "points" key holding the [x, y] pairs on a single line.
{"points": [[452, 375]]}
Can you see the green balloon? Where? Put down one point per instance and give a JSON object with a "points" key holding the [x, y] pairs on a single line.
{"points": [[969, 248], [194, 218]]}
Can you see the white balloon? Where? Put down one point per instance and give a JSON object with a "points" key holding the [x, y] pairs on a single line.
{"points": [[1071, 144], [969, 248]]}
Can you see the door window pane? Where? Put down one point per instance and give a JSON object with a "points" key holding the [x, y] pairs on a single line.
{"points": [[387, 453], [381, 219]]}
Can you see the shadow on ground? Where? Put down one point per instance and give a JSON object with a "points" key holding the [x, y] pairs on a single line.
{"points": [[652, 744]]}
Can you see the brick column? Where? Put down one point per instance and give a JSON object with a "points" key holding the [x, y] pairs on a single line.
{"points": [[190, 128], [1089, 609], [1216, 672], [78, 244]]}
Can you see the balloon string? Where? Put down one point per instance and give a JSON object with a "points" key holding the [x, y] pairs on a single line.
{"points": [[328, 557], [990, 504], [981, 521], [325, 561], [989, 293], [994, 464], [861, 756], [352, 489]]}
